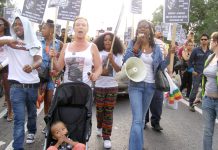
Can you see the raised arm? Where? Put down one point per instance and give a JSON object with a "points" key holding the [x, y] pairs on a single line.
{"points": [[58, 63]]}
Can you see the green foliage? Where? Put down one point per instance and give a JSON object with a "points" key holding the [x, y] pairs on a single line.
{"points": [[158, 15], [2, 5], [203, 17]]}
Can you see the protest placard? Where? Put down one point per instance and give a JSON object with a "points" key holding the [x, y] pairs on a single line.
{"points": [[34, 10]]}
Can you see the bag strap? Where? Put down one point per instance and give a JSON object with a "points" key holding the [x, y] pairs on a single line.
{"points": [[158, 68]]}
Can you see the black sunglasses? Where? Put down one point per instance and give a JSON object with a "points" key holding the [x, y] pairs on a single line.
{"points": [[204, 39]]}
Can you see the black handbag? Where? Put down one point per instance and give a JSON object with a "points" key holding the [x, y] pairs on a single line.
{"points": [[161, 81], [43, 74], [177, 65]]}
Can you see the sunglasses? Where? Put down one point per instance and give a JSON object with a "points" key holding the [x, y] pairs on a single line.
{"points": [[204, 39]]}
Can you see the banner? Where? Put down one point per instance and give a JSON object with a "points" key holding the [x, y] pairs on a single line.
{"points": [[9, 14], [166, 29], [127, 35], [34, 10], [136, 6], [71, 11], [58, 29], [10, 3], [176, 11], [55, 3]]}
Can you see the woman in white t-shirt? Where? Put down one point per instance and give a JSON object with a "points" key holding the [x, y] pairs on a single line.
{"points": [[79, 56], [5, 31], [106, 87]]}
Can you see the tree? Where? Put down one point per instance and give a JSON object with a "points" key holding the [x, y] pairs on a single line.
{"points": [[2, 5], [158, 15], [203, 17]]}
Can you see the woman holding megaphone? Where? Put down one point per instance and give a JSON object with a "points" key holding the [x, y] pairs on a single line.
{"points": [[140, 93]]}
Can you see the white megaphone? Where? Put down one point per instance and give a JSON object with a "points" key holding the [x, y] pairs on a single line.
{"points": [[134, 69]]}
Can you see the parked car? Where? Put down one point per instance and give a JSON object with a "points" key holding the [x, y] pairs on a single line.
{"points": [[122, 86]]}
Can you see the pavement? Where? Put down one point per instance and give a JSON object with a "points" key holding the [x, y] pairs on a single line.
{"points": [[182, 130]]}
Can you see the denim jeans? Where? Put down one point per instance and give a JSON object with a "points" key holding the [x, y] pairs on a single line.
{"points": [[210, 112], [140, 95], [21, 97], [196, 81], [155, 108]]}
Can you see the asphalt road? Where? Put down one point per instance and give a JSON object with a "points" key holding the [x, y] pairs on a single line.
{"points": [[182, 130]]}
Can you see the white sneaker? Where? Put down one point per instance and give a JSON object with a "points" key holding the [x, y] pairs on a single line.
{"points": [[99, 131], [30, 138], [107, 144]]}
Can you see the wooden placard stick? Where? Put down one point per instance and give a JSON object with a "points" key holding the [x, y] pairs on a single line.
{"points": [[66, 31], [115, 32], [172, 54]]}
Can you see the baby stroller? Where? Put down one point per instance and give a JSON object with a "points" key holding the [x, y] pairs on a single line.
{"points": [[72, 104]]}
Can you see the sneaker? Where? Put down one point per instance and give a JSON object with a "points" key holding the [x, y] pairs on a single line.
{"points": [[107, 144], [157, 127], [99, 132], [192, 108], [30, 138], [44, 131], [145, 126]]}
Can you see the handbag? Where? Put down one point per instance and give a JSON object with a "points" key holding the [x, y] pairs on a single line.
{"points": [[177, 65], [177, 79], [43, 74], [161, 81]]}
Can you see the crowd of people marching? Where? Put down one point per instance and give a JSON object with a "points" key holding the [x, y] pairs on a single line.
{"points": [[31, 67]]}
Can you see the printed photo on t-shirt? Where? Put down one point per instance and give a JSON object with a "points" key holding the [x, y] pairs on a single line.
{"points": [[75, 72]]}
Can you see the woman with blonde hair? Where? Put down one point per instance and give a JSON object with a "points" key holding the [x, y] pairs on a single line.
{"points": [[79, 56]]}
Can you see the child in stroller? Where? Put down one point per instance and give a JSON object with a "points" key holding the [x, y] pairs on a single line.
{"points": [[72, 105], [59, 133]]}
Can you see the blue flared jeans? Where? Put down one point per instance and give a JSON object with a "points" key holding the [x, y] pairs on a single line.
{"points": [[140, 95]]}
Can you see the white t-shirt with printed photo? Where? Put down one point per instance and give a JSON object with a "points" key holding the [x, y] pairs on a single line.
{"points": [[108, 81]]}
